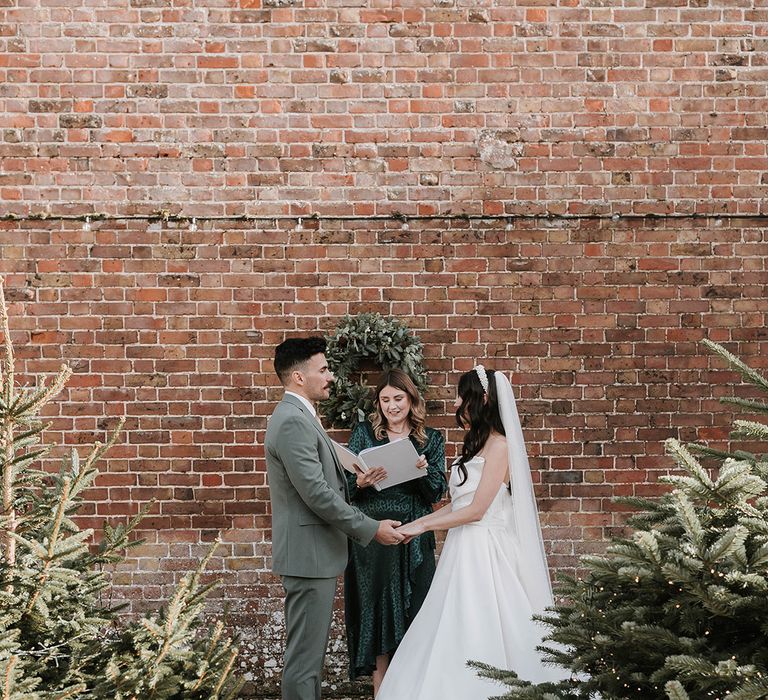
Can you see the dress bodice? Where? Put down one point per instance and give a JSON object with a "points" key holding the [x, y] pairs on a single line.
{"points": [[499, 513]]}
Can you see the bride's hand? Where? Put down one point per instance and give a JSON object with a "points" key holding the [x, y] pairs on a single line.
{"points": [[411, 530]]}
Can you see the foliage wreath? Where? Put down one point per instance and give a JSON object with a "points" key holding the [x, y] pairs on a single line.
{"points": [[382, 340]]}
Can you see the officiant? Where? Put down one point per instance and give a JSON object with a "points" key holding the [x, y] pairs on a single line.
{"points": [[384, 587]]}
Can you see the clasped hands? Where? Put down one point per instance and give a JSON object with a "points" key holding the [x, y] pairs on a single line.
{"points": [[390, 531], [393, 532]]}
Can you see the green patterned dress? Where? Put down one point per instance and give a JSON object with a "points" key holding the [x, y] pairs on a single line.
{"points": [[384, 586]]}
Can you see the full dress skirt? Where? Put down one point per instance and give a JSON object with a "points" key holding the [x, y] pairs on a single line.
{"points": [[477, 609]]}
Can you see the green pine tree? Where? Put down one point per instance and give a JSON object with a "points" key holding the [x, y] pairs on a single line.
{"points": [[58, 637], [680, 608]]}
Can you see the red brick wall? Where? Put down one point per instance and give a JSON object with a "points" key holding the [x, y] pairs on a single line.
{"points": [[598, 322], [304, 106], [263, 108]]}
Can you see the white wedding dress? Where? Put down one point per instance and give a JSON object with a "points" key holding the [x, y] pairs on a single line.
{"points": [[477, 608]]}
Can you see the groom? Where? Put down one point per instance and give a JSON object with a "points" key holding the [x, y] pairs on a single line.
{"points": [[311, 519]]}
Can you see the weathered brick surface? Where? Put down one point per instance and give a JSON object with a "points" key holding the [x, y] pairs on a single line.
{"points": [[286, 106], [597, 321]]}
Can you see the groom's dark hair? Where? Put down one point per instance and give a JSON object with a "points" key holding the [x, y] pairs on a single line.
{"points": [[296, 351]]}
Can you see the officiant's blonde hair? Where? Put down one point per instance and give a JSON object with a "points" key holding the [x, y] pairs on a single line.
{"points": [[399, 379]]}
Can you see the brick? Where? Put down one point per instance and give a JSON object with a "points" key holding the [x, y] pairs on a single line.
{"points": [[147, 90], [80, 121], [315, 45], [49, 105]]}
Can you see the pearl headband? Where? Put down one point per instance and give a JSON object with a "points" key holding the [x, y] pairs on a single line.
{"points": [[480, 370]]}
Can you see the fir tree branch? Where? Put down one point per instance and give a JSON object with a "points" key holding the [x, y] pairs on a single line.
{"points": [[750, 429], [6, 431], [13, 660], [225, 672], [721, 454], [755, 689], [116, 538], [733, 539], [6, 366], [54, 537], [98, 449], [32, 403], [675, 691], [749, 404], [686, 460], [9, 472], [73, 692], [751, 375]]}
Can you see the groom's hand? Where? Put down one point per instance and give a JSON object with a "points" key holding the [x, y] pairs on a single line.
{"points": [[386, 534]]}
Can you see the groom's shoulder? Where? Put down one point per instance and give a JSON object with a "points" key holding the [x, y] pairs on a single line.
{"points": [[284, 411], [277, 423]]}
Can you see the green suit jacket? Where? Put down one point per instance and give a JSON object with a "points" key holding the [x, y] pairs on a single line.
{"points": [[311, 519]]}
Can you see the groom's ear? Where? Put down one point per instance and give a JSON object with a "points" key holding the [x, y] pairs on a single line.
{"points": [[297, 375]]}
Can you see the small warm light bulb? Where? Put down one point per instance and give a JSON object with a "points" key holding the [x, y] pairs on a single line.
{"points": [[193, 224], [87, 224]]}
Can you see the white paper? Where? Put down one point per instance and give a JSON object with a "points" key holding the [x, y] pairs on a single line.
{"points": [[347, 458], [398, 459]]}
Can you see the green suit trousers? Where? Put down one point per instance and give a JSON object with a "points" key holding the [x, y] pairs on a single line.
{"points": [[308, 613]]}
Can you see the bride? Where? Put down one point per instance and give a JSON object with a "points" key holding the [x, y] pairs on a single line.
{"points": [[492, 575]]}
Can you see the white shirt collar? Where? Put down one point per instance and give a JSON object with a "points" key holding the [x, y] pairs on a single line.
{"points": [[306, 402]]}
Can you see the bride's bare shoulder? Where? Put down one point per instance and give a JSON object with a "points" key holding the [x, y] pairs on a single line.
{"points": [[496, 440], [496, 444]]}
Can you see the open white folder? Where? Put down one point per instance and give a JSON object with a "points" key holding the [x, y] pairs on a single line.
{"points": [[398, 458]]}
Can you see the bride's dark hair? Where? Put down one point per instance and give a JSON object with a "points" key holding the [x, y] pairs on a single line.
{"points": [[479, 415]]}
